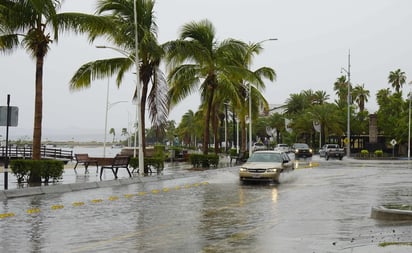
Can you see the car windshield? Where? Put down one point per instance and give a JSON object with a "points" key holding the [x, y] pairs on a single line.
{"points": [[266, 157], [283, 145], [301, 146]]}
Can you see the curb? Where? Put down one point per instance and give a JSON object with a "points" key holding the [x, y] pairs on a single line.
{"points": [[383, 213]]}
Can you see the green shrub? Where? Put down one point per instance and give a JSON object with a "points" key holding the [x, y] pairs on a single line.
{"points": [[378, 153], [233, 152], [157, 162], [205, 161], [36, 171], [364, 153]]}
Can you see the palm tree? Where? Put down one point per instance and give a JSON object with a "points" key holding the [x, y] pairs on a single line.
{"points": [[112, 132], [361, 96], [150, 54], [320, 97], [34, 25], [328, 116], [397, 79], [341, 88], [197, 59]]}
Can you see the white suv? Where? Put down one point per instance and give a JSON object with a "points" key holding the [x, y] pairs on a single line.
{"points": [[282, 148]]}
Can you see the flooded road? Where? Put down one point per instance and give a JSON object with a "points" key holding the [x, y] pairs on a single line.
{"points": [[326, 208]]}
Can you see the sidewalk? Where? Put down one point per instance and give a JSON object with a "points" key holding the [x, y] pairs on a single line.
{"points": [[72, 181]]}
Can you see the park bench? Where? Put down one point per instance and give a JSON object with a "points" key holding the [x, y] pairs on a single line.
{"points": [[119, 161], [86, 161]]}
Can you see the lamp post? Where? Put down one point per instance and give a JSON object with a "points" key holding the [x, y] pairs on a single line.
{"points": [[138, 130], [409, 129], [250, 104], [348, 98]]}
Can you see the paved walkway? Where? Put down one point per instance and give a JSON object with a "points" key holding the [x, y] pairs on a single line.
{"points": [[72, 181]]}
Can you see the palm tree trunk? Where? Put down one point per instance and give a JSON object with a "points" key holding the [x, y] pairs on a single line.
{"points": [[215, 125], [243, 135], [143, 111], [38, 109], [207, 122]]}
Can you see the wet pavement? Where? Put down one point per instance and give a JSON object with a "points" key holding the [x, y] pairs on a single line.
{"points": [[321, 208]]}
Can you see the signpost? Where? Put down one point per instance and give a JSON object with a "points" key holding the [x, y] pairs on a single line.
{"points": [[393, 143], [8, 117]]}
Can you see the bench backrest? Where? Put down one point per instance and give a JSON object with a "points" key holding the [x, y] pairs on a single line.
{"points": [[82, 157], [121, 160]]}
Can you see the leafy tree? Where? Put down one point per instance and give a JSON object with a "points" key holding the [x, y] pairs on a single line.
{"points": [[392, 112], [34, 25]]}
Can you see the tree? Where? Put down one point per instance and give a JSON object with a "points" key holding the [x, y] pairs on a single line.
{"points": [[397, 79], [251, 84], [112, 132], [341, 89], [198, 62], [34, 25], [122, 34]]}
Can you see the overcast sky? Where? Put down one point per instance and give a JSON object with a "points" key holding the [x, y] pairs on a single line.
{"points": [[314, 39]]}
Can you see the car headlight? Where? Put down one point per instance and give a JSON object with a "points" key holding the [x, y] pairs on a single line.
{"points": [[242, 169], [310, 150], [271, 170]]}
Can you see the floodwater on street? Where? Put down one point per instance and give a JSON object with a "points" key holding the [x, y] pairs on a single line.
{"points": [[326, 208]]}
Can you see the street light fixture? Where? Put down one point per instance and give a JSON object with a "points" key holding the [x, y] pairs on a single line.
{"points": [[348, 98], [139, 131], [250, 104]]}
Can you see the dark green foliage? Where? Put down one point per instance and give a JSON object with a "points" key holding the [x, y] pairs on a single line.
{"points": [[204, 161], [36, 171]]}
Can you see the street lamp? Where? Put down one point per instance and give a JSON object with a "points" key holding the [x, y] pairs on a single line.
{"points": [[348, 126], [138, 131], [250, 104], [409, 125]]}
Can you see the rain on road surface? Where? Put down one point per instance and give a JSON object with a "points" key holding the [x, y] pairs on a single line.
{"points": [[321, 209]]}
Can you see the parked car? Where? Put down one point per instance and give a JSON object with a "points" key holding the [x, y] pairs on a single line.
{"points": [[332, 150], [258, 146], [302, 150], [265, 165], [282, 147]]}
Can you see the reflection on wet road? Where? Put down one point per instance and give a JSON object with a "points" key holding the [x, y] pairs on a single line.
{"points": [[320, 209]]}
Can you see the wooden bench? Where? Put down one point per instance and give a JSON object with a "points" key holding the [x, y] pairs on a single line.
{"points": [[86, 161], [119, 161]]}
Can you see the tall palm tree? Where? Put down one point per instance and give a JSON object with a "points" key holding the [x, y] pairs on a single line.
{"points": [[328, 116], [320, 97], [361, 96], [341, 89], [198, 62], [397, 79], [112, 132], [122, 35], [34, 25]]}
